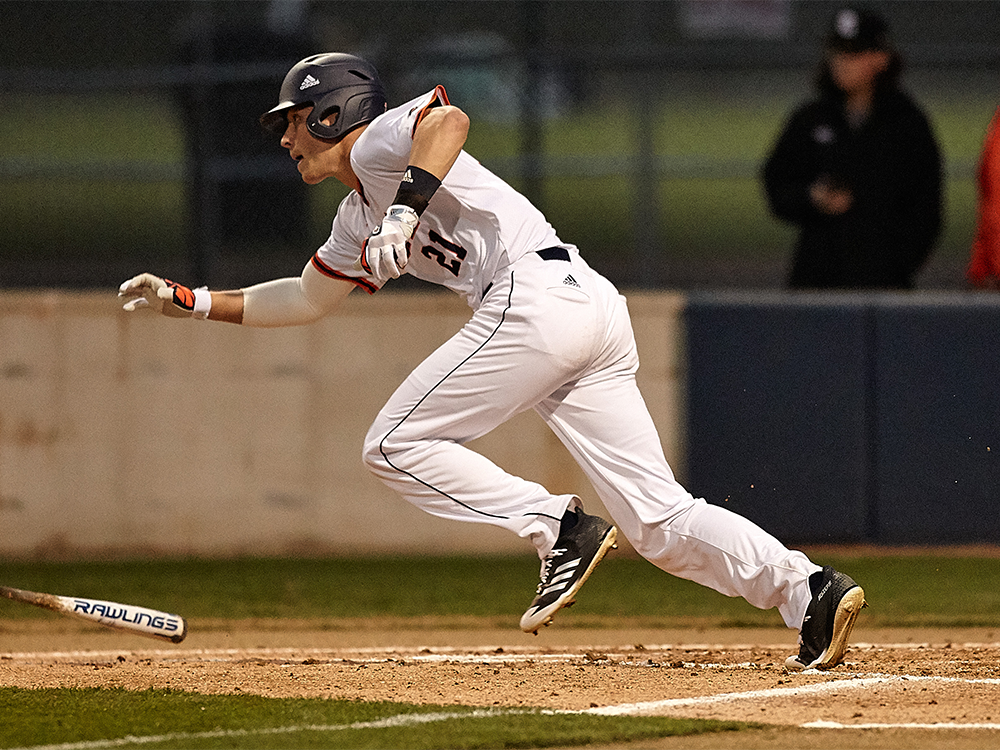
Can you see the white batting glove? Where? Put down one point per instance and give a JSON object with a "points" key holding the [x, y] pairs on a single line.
{"points": [[176, 300], [387, 249]]}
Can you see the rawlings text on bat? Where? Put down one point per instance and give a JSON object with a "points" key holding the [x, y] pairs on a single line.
{"points": [[138, 620]]}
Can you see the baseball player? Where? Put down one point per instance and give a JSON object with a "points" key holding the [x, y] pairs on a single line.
{"points": [[546, 333]]}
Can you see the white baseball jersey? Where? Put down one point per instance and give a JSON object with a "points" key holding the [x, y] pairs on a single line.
{"points": [[474, 226], [551, 335]]}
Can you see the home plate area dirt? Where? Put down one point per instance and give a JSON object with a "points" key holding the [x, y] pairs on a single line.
{"points": [[897, 688]]}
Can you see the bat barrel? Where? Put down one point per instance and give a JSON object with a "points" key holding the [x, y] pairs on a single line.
{"points": [[130, 617], [127, 617]]}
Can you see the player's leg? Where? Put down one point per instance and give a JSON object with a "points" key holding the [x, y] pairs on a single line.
{"points": [[685, 536], [501, 363], [538, 329], [604, 422]]}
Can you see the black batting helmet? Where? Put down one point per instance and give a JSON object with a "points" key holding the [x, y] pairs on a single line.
{"points": [[332, 83]]}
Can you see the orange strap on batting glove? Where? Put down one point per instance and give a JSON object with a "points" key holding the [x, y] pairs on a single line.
{"points": [[178, 300]]}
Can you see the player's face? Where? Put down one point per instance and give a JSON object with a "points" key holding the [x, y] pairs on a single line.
{"points": [[316, 159]]}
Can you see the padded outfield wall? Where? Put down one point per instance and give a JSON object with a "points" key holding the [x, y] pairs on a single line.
{"points": [[848, 417]]}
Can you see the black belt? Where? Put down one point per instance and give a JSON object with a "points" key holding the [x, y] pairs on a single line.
{"points": [[548, 253], [554, 253]]}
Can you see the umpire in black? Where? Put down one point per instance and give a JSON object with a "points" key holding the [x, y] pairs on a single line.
{"points": [[857, 169]]}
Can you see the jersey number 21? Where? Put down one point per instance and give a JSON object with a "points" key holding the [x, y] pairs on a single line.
{"points": [[449, 255]]}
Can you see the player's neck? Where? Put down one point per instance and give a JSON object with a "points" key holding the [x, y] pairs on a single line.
{"points": [[349, 179], [344, 172]]}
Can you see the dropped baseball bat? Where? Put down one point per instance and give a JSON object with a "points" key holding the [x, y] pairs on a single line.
{"points": [[127, 617]]}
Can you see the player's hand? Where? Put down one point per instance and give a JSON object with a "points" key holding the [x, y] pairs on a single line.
{"points": [[830, 198], [176, 300], [387, 249]]}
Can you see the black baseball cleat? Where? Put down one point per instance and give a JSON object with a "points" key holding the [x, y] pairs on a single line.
{"points": [[829, 620], [566, 568]]}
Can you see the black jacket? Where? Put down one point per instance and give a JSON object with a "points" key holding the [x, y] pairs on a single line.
{"points": [[893, 166]]}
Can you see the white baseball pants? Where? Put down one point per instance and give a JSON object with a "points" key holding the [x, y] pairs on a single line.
{"points": [[555, 336]]}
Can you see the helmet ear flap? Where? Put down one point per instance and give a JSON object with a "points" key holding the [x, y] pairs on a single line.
{"points": [[322, 111], [359, 108]]}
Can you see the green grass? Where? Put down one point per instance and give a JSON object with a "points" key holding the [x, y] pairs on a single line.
{"points": [[904, 591], [174, 719]]}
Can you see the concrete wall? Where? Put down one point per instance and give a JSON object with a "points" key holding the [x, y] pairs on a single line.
{"points": [[134, 434]]}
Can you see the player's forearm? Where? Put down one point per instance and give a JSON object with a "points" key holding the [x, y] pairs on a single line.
{"points": [[292, 301], [437, 142], [276, 304], [272, 304], [227, 307]]}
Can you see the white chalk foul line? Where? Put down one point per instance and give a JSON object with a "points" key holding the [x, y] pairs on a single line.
{"points": [[404, 720], [652, 707], [942, 725], [648, 708]]}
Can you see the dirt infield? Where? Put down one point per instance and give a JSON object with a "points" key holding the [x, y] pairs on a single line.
{"points": [[898, 688]]}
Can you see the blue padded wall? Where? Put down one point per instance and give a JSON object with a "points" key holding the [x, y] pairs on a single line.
{"points": [[778, 412], [848, 417], [938, 406]]}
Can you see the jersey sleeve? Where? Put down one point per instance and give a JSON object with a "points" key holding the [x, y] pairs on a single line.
{"points": [[336, 257], [382, 153], [438, 98]]}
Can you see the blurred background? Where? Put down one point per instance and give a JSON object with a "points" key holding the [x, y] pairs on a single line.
{"points": [[129, 137]]}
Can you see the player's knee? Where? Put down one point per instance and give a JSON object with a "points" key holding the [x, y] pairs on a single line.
{"points": [[371, 455], [377, 452]]}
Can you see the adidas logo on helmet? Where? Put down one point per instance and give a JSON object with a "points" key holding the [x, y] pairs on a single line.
{"points": [[308, 82]]}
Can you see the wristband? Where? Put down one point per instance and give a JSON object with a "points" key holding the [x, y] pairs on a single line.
{"points": [[202, 303], [416, 189]]}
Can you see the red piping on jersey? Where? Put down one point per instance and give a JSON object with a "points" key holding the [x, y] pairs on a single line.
{"points": [[327, 271], [440, 100]]}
